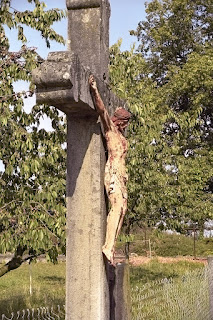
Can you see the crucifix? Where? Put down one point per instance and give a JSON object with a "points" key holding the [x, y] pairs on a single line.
{"points": [[62, 81]]}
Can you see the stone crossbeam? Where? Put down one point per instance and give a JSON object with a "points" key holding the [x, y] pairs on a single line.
{"points": [[62, 81]]}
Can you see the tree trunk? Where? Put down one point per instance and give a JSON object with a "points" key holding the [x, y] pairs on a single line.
{"points": [[14, 263]]}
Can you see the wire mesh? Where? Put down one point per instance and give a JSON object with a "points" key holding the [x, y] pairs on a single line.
{"points": [[41, 313], [170, 299]]}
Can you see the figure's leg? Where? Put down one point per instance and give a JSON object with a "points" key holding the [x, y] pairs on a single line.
{"points": [[123, 212], [113, 223]]}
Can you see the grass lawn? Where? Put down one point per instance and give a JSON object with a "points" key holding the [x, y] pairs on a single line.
{"points": [[170, 291], [155, 270], [48, 287], [48, 282]]}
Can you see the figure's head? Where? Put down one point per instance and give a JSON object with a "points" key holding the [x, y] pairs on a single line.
{"points": [[121, 118]]}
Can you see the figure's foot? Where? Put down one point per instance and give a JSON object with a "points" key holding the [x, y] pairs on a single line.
{"points": [[109, 254]]}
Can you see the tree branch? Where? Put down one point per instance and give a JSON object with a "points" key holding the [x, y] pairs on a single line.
{"points": [[16, 261]]}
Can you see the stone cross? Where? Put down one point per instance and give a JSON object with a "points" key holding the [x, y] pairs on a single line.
{"points": [[62, 81]]}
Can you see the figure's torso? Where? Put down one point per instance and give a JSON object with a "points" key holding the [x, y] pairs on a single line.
{"points": [[117, 149], [116, 144]]}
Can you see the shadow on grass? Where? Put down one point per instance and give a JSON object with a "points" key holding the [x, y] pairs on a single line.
{"points": [[53, 279], [14, 304], [145, 275]]}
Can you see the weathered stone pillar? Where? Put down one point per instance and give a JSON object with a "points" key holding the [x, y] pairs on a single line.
{"points": [[88, 34], [87, 295], [120, 292], [86, 279], [62, 81]]}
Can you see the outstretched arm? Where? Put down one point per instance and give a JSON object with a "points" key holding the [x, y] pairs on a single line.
{"points": [[99, 105]]}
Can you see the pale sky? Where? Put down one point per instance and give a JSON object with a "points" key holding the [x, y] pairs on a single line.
{"points": [[125, 15]]}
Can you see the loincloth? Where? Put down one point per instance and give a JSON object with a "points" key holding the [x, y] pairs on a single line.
{"points": [[115, 181]]}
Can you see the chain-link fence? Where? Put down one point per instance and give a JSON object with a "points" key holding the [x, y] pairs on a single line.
{"points": [[41, 313], [170, 299]]}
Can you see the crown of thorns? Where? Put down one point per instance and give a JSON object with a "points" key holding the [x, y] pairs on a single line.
{"points": [[121, 114]]}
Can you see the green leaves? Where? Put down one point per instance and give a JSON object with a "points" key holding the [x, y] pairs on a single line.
{"points": [[168, 85], [21, 34], [32, 202], [171, 31]]}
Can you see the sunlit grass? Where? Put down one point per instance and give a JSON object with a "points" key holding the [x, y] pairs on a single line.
{"points": [[156, 271], [165, 284], [48, 287]]}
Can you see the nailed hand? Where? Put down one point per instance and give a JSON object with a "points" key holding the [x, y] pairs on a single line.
{"points": [[92, 83]]}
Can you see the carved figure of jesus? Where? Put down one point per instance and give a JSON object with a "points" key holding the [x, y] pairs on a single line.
{"points": [[115, 171]]}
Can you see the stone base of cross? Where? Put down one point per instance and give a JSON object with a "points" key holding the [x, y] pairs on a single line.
{"points": [[62, 81]]}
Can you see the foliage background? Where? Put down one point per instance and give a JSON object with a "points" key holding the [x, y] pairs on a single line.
{"points": [[32, 202], [167, 82], [168, 85]]}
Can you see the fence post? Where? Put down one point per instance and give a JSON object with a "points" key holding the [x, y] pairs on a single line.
{"points": [[210, 279], [120, 295], [30, 274], [150, 250]]}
